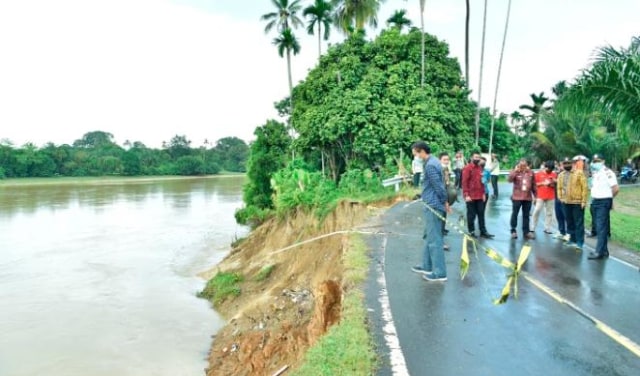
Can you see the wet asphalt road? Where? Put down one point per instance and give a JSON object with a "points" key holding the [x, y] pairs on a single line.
{"points": [[453, 327]]}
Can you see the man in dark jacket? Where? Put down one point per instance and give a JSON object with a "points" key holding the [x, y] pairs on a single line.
{"points": [[473, 191]]}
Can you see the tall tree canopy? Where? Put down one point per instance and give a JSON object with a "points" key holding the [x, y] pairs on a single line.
{"points": [[363, 103]]}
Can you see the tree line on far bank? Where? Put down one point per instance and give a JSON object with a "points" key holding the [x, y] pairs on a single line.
{"points": [[96, 154]]}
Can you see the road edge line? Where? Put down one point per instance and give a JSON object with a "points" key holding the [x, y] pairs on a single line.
{"points": [[618, 337], [396, 356]]}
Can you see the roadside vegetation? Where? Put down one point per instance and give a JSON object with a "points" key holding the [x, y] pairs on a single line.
{"points": [[625, 219], [347, 348]]}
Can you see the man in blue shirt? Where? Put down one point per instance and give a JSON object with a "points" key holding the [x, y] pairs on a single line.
{"points": [[434, 197]]}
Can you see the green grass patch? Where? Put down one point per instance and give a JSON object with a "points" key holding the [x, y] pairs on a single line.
{"points": [[264, 273], [222, 286], [625, 219], [347, 348]]}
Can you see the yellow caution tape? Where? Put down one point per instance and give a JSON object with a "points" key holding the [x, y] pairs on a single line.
{"points": [[464, 258], [493, 255]]}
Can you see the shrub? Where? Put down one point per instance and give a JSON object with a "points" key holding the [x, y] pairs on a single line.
{"points": [[221, 286]]}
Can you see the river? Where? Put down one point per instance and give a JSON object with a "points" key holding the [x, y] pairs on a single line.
{"points": [[100, 279]]}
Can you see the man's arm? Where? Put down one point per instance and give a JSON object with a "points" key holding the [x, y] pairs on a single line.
{"points": [[465, 182]]}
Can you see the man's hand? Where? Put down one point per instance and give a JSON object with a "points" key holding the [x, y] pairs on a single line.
{"points": [[467, 199], [448, 208], [583, 205], [484, 198]]}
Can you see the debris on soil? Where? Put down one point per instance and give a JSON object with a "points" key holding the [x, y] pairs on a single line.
{"points": [[275, 320]]}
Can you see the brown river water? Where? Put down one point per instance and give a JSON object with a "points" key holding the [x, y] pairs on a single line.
{"points": [[100, 279]]}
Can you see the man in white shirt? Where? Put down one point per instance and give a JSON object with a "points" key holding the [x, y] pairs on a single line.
{"points": [[604, 187]]}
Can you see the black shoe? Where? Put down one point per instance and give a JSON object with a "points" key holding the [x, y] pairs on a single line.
{"points": [[445, 232], [592, 235], [486, 235], [595, 256]]}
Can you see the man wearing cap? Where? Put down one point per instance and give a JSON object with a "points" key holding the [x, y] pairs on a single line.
{"points": [[573, 192], [604, 188]]}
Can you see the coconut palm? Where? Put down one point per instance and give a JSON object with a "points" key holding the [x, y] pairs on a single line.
{"points": [[484, 29], [287, 42], [611, 85], [399, 20], [495, 96], [284, 17], [350, 14], [538, 110], [466, 42], [319, 13]]}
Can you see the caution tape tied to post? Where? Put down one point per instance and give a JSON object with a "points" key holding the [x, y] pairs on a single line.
{"points": [[465, 262]]}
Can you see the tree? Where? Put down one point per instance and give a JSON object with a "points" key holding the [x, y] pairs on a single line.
{"points": [[179, 146], [537, 111], [287, 41], [610, 86], [232, 153], [422, 42], [399, 19], [466, 42], [495, 96], [285, 16], [376, 107], [352, 15], [319, 13], [484, 33], [268, 155], [94, 139]]}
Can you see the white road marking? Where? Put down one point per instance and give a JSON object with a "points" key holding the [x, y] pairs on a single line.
{"points": [[398, 364]]}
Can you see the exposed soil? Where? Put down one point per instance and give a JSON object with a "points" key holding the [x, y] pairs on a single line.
{"points": [[273, 322]]}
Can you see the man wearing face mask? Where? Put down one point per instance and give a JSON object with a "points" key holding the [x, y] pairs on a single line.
{"points": [[573, 192], [603, 189], [524, 190], [475, 196], [545, 196]]}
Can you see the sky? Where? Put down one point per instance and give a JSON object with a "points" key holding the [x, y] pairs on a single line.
{"points": [[146, 70]]}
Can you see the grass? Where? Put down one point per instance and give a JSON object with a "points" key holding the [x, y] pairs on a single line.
{"points": [[625, 219], [347, 348], [264, 273], [221, 286]]}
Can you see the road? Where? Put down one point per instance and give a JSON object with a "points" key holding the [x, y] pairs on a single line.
{"points": [[580, 318]]}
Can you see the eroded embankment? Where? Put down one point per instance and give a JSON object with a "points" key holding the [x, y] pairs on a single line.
{"points": [[277, 317]]}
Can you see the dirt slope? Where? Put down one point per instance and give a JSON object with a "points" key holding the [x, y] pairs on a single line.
{"points": [[274, 321]]}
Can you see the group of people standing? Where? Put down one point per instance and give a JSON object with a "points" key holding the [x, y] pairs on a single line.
{"points": [[560, 189]]}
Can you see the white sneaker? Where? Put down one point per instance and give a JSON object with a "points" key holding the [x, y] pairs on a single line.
{"points": [[566, 238]]}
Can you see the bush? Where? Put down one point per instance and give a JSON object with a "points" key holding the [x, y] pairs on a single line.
{"points": [[356, 182], [298, 188], [2, 174], [189, 165], [251, 215], [221, 286]]}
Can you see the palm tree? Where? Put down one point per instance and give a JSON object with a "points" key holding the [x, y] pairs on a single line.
{"points": [[399, 20], [284, 17], [495, 97], [356, 13], [466, 42], [611, 85], [538, 110], [484, 32], [319, 14], [288, 42]]}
